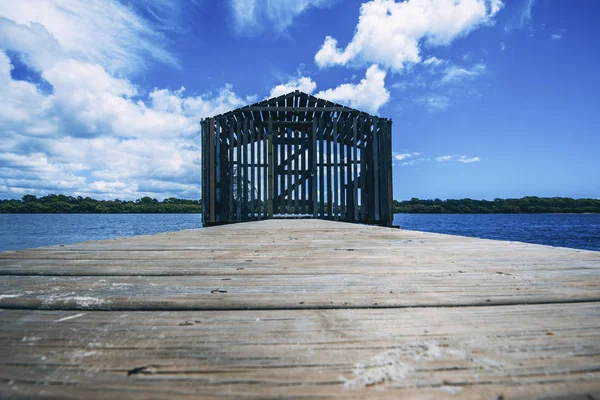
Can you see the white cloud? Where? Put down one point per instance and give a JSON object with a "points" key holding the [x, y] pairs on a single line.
{"points": [[304, 84], [391, 33], [433, 61], [502, 46], [95, 132], [556, 36], [254, 16], [101, 32], [455, 73], [434, 102], [462, 159], [523, 16], [465, 159], [403, 156], [368, 95]]}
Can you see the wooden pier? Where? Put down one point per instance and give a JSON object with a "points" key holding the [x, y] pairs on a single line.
{"points": [[300, 309]]}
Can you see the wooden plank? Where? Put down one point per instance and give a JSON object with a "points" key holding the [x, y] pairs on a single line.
{"points": [[266, 265], [467, 353]]}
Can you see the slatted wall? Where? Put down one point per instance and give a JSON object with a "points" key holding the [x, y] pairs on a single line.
{"points": [[296, 156]]}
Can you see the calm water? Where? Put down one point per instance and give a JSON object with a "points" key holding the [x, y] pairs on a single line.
{"points": [[19, 231], [579, 231]]}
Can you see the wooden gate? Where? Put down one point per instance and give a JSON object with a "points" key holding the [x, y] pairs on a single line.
{"points": [[296, 156]]}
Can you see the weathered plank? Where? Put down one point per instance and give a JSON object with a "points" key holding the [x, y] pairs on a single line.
{"points": [[302, 308], [470, 352]]}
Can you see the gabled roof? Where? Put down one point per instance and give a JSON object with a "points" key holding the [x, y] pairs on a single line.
{"points": [[297, 104]]}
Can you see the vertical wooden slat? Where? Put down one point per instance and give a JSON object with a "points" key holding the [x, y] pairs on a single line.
{"points": [[313, 174], [321, 139], [335, 171], [238, 127], [211, 144], [268, 177], [245, 171], [260, 161], [363, 173], [252, 141], [204, 194], [329, 160], [376, 177], [231, 212], [297, 171], [288, 163], [275, 172], [369, 169], [349, 184], [217, 188], [304, 167], [390, 194], [271, 164], [355, 168], [343, 167]]}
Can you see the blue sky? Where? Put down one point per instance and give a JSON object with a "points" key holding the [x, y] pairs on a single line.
{"points": [[489, 98]]}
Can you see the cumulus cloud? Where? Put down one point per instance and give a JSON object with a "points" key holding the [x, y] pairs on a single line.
{"points": [[556, 36], [94, 132], [254, 16], [304, 84], [368, 95], [392, 33]]}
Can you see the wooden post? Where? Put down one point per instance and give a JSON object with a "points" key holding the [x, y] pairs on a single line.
{"points": [[343, 167], [260, 162], [297, 171], [288, 164], [211, 144], [363, 172], [350, 185], [321, 139], [313, 174], [270, 166], [251, 136], [239, 170], [390, 193], [336, 165], [376, 183]]}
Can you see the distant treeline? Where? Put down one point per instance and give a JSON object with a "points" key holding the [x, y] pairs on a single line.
{"points": [[525, 205], [58, 203]]}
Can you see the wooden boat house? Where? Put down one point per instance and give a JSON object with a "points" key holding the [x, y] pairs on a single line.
{"points": [[296, 156]]}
